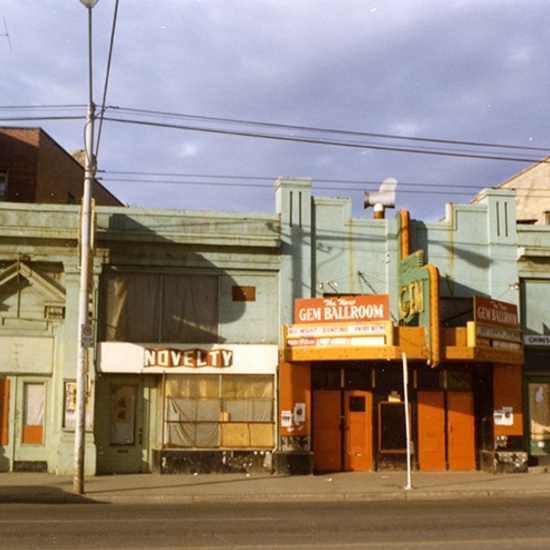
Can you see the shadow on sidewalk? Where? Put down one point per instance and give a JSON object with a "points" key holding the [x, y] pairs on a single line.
{"points": [[189, 482], [40, 494]]}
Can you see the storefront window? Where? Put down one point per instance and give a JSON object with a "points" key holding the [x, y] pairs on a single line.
{"points": [[34, 397], [391, 417], [539, 413], [219, 411], [139, 307]]}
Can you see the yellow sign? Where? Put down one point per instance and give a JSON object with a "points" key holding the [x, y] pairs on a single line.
{"points": [[411, 299]]}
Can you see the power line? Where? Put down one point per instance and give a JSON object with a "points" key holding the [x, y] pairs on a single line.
{"points": [[42, 118], [152, 178], [317, 139], [141, 176], [6, 34], [108, 72], [319, 130], [40, 107], [327, 142]]}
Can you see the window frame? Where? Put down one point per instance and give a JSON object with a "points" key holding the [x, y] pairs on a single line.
{"points": [[223, 429], [164, 320]]}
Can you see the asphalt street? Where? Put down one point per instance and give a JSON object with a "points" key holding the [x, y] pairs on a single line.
{"points": [[498, 522]]}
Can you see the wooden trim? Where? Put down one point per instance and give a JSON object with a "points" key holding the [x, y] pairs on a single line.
{"points": [[4, 410], [404, 221]]}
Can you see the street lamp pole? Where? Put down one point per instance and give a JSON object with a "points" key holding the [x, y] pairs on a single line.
{"points": [[84, 327]]}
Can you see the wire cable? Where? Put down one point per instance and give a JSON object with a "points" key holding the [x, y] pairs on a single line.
{"points": [[336, 143], [329, 130], [291, 128], [108, 72], [260, 182]]}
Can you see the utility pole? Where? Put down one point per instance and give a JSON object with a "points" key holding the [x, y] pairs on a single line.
{"points": [[85, 329]]}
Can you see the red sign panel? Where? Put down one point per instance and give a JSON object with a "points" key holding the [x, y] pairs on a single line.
{"points": [[495, 313], [342, 309]]}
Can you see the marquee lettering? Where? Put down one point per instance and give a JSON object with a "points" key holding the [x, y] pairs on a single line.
{"points": [[411, 299], [342, 309], [190, 358]]}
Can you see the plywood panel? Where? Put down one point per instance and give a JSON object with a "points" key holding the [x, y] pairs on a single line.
{"points": [[460, 431], [327, 440], [4, 410], [358, 436], [431, 431]]}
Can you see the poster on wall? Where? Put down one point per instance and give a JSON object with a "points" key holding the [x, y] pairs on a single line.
{"points": [[69, 409], [123, 408]]}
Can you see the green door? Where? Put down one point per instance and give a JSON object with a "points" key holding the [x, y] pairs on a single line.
{"points": [[120, 425]]}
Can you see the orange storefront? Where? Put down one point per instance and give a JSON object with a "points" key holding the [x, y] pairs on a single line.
{"points": [[341, 381]]}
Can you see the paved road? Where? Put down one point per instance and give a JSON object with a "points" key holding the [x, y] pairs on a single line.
{"points": [[491, 523]]}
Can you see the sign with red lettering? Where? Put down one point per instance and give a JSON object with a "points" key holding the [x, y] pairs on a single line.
{"points": [[358, 334], [342, 309], [495, 313]]}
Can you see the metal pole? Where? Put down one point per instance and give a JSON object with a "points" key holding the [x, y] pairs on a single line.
{"points": [[85, 269], [407, 420]]}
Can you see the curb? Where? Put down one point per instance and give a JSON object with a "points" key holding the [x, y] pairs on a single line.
{"points": [[411, 494]]}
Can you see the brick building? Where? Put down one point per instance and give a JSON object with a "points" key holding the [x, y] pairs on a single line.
{"points": [[34, 168]]}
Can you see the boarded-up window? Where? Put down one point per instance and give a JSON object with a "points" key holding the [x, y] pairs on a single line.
{"points": [[34, 397], [140, 307], [219, 411], [244, 293], [539, 413]]}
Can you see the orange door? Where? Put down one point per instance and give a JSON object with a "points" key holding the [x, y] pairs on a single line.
{"points": [[460, 431], [358, 430], [431, 431], [4, 401], [327, 438]]}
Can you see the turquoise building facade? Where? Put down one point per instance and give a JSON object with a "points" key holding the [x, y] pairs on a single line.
{"points": [[194, 367]]}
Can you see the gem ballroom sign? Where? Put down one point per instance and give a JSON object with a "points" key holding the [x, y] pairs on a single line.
{"points": [[190, 358], [493, 312], [342, 309]]}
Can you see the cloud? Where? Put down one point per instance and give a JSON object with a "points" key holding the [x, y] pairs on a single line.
{"points": [[188, 149], [467, 70]]}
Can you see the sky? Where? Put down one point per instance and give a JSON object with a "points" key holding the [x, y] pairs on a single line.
{"points": [[209, 101]]}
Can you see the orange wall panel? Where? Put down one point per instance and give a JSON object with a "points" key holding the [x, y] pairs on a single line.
{"points": [[4, 410], [294, 387], [507, 381]]}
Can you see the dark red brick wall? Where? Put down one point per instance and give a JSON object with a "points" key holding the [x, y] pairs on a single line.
{"points": [[41, 171]]}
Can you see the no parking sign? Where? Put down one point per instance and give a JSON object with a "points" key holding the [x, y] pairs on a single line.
{"points": [[87, 335]]}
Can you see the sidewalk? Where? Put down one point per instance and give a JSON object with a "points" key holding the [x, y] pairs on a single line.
{"points": [[348, 486]]}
